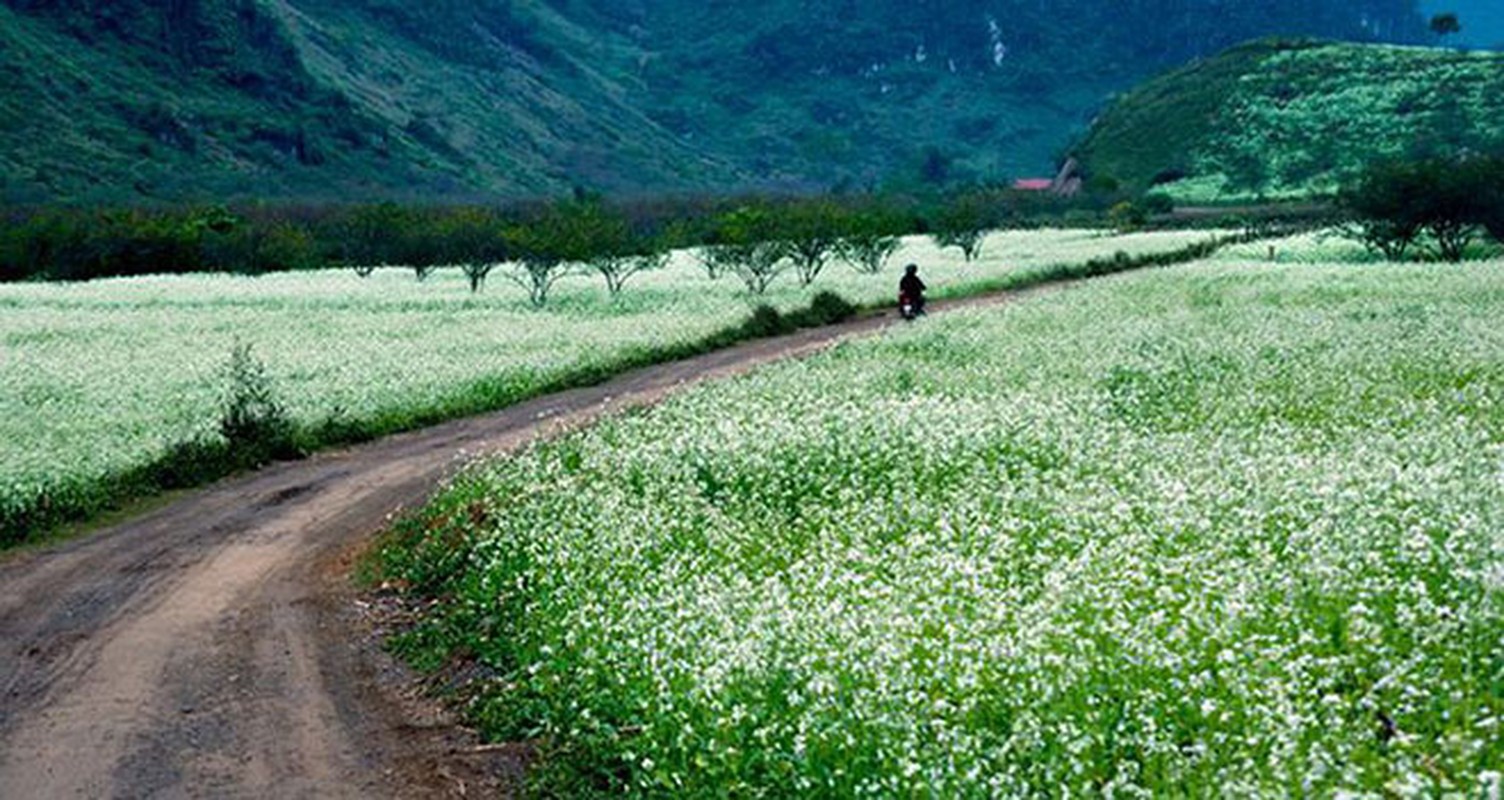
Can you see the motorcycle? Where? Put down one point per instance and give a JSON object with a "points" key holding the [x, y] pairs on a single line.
{"points": [[910, 308]]}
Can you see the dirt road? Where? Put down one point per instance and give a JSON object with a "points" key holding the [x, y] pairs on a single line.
{"points": [[216, 647]]}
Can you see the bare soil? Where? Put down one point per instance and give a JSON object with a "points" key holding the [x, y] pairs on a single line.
{"points": [[218, 648]]}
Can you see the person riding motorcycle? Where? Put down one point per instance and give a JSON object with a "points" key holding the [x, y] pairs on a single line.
{"points": [[911, 292]]}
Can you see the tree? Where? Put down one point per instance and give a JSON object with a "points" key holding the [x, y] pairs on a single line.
{"points": [[1127, 217], [273, 243], [714, 259], [1384, 217], [475, 240], [537, 271], [1393, 204], [964, 223], [1451, 212], [747, 243], [812, 231], [373, 236], [871, 238], [545, 250], [1446, 24], [423, 264], [602, 239], [415, 240]]}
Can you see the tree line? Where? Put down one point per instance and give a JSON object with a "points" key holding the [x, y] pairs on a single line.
{"points": [[756, 239], [1432, 209]]}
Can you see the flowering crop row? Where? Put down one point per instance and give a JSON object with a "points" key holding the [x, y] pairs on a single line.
{"points": [[1233, 530], [100, 378]]}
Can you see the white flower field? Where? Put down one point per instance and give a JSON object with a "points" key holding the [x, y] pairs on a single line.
{"points": [[1229, 530], [100, 378]]}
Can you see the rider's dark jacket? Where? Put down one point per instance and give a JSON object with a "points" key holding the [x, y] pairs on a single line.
{"points": [[911, 286]]}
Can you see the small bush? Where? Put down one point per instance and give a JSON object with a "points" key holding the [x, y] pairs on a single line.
{"points": [[828, 308], [184, 465], [1127, 217], [1158, 203], [253, 423], [765, 321]]}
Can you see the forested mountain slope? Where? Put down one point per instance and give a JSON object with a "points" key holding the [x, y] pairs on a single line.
{"points": [[862, 91], [130, 99], [315, 99]]}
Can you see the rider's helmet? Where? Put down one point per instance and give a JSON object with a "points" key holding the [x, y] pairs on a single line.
{"points": [[912, 269]]}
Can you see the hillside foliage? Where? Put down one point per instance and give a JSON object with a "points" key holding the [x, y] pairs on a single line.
{"points": [[1295, 118], [358, 99]]}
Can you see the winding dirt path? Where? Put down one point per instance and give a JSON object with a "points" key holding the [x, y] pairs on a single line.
{"points": [[216, 647]]}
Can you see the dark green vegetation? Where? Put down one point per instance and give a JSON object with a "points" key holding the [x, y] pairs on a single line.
{"points": [[317, 99], [757, 238], [837, 91], [1294, 118], [613, 240], [1436, 208], [354, 99], [1482, 21]]}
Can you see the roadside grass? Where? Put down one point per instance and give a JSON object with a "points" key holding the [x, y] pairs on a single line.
{"points": [[111, 388], [1231, 529]]}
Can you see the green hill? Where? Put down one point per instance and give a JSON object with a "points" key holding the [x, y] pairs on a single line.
{"points": [[1295, 118], [353, 99], [322, 99]]}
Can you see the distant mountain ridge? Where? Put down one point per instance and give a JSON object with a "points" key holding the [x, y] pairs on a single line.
{"points": [[361, 99]]}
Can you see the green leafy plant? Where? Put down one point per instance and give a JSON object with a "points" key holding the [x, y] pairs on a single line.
{"points": [[1127, 217], [765, 321], [252, 421], [830, 308]]}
